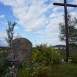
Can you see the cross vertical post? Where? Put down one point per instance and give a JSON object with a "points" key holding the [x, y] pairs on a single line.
{"points": [[66, 24], [66, 27]]}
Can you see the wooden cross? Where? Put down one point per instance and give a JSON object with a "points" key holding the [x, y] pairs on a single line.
{"points": [[66, 24]]}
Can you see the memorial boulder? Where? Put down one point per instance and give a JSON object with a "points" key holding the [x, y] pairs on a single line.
{"points": [[20, 50]]}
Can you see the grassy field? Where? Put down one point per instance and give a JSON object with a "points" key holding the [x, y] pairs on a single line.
{"points": [[57, 70], [63, 70]]}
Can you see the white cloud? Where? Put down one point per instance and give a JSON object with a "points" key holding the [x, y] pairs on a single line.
{"points": [[75, 2], [74, 14], [30, 13], [2, 16], [3, 35], [33, 15], [8, 2], [2, 39], [16, 27]]}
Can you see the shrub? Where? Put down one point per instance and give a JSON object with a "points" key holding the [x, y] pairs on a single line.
{"points": [[3, 66], [44, 54], [56, 56], [74, 58], [40, 72], [24, 72]]}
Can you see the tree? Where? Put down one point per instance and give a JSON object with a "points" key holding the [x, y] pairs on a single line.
{"points": [[10, 32], [72, 30]]}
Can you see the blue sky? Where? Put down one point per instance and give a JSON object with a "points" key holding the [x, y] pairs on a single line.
{"points": [[37, 20]]}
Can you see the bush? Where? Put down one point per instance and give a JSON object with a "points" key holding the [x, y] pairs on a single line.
{"points": [[74, 58], [40, 72], [44, 54], [24, 72], [3, 66]]}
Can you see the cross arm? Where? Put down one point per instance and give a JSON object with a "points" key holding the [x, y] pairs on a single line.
{"points": [[62, 4]]}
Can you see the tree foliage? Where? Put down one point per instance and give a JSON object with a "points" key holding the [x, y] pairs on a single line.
{"points": [[72, 30], [10, 32]]}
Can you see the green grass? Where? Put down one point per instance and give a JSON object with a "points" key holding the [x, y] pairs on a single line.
{"points": [[57, 70], [63, 70]]}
